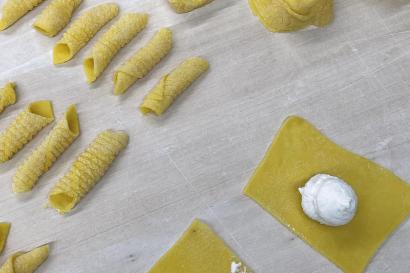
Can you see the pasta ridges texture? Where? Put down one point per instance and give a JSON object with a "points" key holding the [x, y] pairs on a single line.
{"points": [[13, 10], [143, 61], [172, 85], [82, 30], [182, 6], [7, 96], [27, 124], [25, 262], [119, 34], [55, 16], [44, 156], [87, 170], [4, 233]]}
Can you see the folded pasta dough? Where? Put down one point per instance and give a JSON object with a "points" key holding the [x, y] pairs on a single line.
{"points": [[27, 124], [44, 156], [4, 233], [55, 16], [87, 170], [172, 85], [7, 95], [13, 10], [28, 262], [199, 250], [143, 61], [119, 34], [82, 30], [182, 6], [291, 15]]}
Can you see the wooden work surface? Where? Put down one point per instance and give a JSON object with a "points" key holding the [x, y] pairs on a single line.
{"points": [[351, 79]]}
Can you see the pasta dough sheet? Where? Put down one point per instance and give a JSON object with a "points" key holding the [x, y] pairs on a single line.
{"points": [[7, 96], [87, 170], [199, 250], [299, 152], [119, 34], [55, 16], [13, 10], [28, 262], [28, 124], [82, 30], [44, 156], [143, 61], [4, 233], [172, 85], [182, 6], [291, 15]]}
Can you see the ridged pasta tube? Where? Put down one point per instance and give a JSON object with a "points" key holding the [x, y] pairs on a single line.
{"points": [[172, 85], [55, 16], [119, 34], [4, 233], [87, 170], [27, 262], [7, 95], [82, 30], [13, 10], [143, 61], [44, 156], [27, 124], [182, 6]]}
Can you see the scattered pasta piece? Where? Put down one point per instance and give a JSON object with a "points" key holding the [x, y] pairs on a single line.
{"points": [[27, 124], [87, 170], [82, 30], [4, 233], [7, 95], [199, 250], [13, 10], [182, 6], [172, 85], [143, 61], [55, 16], [291, 15], [119, 34], [27, 262], [40, 161]]}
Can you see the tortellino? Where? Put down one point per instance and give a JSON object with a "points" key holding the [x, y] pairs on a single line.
{"points": [[44, 156], [143, 61], [27, 124], [119, 34], [182, 6], [13, 10], [7, 96], [82, 30], [87, 170], [4, 233], [172, 85], [25, 262], [55, 16]]}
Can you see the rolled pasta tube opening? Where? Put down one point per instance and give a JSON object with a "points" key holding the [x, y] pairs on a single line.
{"points": [[89, 69], [42, 108], [122, 81], [62, 202], [7, 96], [61, 53], [42, 30], [72, 120], [4, 232]]}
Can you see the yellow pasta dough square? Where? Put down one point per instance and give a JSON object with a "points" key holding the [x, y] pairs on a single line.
{"points": [[300, 151], [199, 250]]}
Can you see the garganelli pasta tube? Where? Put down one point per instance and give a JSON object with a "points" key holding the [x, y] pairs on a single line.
{"points": [[143, 61], [25, 262], [13, 10], [55, 16], [27, 124], [82, 30], [7, 96], [43, 157], [182, 6], [119, 34], [87, 170], [172, 85], [4, 233]]}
